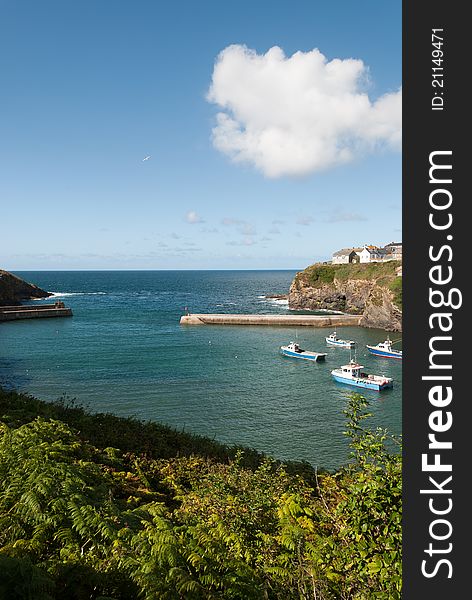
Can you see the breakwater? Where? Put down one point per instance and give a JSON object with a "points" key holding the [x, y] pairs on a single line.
{"points": [[13, 313], [289, 320]]}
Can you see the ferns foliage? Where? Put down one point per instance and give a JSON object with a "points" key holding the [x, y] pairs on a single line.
{"points": [[81, 521]]}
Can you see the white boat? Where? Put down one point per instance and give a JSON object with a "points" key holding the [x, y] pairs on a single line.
{"points": [[385, 349], [294, 351], [352, 374], [333, 340]]}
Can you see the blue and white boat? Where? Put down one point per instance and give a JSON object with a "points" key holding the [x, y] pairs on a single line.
{"points": [[352, 374], [294, 351], [385, 349], [333, 340]]}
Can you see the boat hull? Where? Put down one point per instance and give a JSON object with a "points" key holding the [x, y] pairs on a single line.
{"points": [[304, 355], [369, 385], [339, 344], [384, 353]]}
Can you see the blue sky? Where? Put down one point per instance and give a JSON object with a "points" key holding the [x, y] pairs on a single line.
{"points": [[90, 88]]}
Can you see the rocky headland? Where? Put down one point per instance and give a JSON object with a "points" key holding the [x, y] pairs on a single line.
{"points": [[13, 290], [372, 290]]}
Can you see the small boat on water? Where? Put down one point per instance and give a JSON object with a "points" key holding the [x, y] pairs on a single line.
{"points": [[293, 350], [333, 340], [385, 349], [352, 374]]}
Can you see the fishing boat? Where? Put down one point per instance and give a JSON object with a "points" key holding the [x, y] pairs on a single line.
{"points": [[333, 340], [293, 350], [385, 349], [352, 374]]}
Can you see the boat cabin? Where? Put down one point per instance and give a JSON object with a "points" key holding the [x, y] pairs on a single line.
{"points": [[294, 347], [353, 369], [387, 345]]}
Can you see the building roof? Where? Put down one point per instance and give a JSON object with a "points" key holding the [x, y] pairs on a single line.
{"points": [[371, 249], [344, 252], [375, 250]]}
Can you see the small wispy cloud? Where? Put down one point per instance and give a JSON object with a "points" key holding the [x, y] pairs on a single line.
{"points": [[184, 249], [305, 220], [246, 241], [231, 221], [192, 217], [343, 216], [244, 227]]}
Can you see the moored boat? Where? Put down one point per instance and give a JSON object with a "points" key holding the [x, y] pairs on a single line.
{"points": [[352, 374], [385, 349], [294, 351], [333, 340]]}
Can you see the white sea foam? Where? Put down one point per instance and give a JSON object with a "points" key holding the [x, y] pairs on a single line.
{"points": [[274, 301], [65, 294], [222, 304], [320, 310]]}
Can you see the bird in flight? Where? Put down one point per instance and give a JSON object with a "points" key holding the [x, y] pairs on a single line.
{"points": [[146, 158]]}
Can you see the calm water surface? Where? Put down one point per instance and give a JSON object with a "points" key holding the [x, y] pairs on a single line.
{"points": [[124, 351]]}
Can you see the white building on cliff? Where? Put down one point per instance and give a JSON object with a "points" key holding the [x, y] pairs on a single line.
{"points": [[346, 255], [368, 254]]}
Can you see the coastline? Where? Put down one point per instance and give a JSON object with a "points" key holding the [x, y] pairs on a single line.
{"points": [[125, 352]]}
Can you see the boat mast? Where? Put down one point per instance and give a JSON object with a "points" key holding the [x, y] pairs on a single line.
{"points": [[350, 353]]}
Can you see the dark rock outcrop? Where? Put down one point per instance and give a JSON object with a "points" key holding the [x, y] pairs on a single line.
{"points": [[380, 311], [13, 290], [374, 293]]}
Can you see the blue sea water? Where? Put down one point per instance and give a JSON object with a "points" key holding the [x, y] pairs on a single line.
{"points": [[125, 352]]}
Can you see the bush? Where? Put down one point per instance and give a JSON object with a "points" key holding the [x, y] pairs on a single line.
{"points": [[79, 521]]}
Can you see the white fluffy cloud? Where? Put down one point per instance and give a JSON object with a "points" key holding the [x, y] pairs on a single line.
{"points": [[299, 114]]}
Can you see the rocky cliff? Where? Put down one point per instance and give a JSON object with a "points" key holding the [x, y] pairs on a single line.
{"points": [[372, 290], [13, 289]]}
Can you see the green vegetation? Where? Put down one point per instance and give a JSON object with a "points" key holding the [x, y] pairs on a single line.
{"points": [[172, 516], [382, 273], [320, 273], [129, 434], [371, 271], [396, 287]]}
